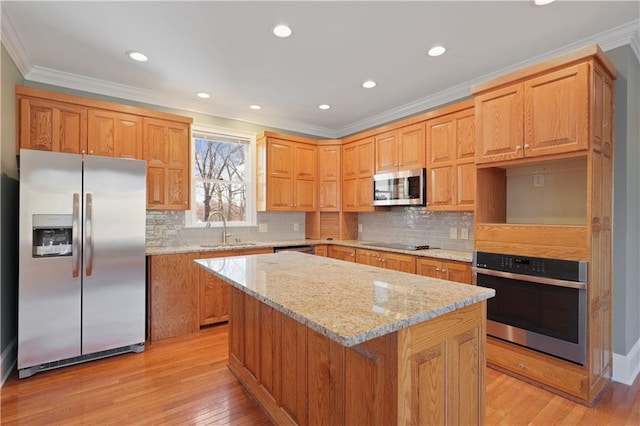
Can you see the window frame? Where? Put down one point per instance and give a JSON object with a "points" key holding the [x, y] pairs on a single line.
{"points": [[250, 176]]}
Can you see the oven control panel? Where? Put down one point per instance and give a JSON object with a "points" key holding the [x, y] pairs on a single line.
{"points": [[569, 270]]}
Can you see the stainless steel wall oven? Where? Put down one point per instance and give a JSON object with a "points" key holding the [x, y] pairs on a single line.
{"points": [[540, 303]]}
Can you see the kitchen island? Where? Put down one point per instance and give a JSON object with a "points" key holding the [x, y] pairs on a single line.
{"points": [[322, 341]]}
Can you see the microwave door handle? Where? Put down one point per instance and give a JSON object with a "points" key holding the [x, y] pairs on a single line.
{"points": [[75, 236], [528, 278]]}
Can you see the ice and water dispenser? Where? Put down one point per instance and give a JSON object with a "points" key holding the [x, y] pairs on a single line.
{"points": [[52, 235]]}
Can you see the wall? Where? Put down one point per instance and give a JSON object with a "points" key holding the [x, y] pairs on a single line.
{"points": [[416, 225], [10, 76], [626, 221]]}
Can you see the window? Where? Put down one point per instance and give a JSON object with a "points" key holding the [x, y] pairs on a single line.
{"points": [[221, 176]]}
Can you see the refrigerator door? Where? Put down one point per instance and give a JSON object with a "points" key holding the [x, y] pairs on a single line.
{"points": [[114, 287], [49, 294]]}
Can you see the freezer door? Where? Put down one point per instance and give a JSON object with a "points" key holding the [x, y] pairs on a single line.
{"points": [[114, 287], [49, 294]]}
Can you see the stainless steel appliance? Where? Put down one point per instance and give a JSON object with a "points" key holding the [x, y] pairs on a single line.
{"points": [[403, 188], [82, 272], [540, 303]]}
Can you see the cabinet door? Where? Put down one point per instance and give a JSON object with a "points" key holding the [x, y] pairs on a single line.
{"points": [[305, 166], [399, 262], [456, 271], [280, 175], [465, 186], [114, 134], [350, 195], [366, 157], [329, 177], [386, 152], [368, 257], [174, 295], [156, 152], [499, 124], [440, 186], [342, 253], [411, 147], [556, 112], [178, 170], [214, 295], [429, 267], [52, 126], [465, 169], [365, 194], [320, 250], [350, 163]]}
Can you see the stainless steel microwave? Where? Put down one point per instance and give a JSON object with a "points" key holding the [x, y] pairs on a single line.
{"points": [[402, 188]]}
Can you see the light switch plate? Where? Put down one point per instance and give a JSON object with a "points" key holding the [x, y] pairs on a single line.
{"points": [[263, 227], [296, 227], [453, 233], [538, 181], [359, 227]]}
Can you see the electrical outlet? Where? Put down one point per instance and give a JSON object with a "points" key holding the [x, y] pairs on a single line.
{"points": [[263, 227], [296, 227], [359, 227], [464, 233], [453, 233], [538, 181]]}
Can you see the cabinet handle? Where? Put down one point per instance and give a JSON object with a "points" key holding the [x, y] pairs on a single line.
{"points": [[437, 269], [518, 147], [444, 270], [527, 146]]}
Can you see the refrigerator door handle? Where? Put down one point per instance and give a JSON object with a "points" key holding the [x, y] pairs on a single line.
{"points": [[89, 235], [75, 236]]}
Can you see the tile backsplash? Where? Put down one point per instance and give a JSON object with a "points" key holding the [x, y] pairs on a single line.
{"points": [[416, 225], [167, 228], [411, 225]]}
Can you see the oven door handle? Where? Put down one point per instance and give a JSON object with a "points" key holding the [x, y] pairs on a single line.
{"points": [[539, 280]]}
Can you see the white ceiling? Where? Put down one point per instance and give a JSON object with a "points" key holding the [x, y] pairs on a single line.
{"points": [[227, 49]]}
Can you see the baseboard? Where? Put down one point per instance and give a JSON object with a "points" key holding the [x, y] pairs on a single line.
{"points": [[627, 367], [8, 360]]}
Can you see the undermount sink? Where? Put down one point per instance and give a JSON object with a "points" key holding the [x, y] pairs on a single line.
{"points": [[216, 245]]}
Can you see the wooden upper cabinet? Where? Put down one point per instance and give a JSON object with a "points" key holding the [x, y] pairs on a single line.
{"points": [[411, 147], [357, 182], [547, 114], [289, 182], [450, 160], [166, 149], [49, 125], [329, 167], [386, 152], [400, 149], [499, 124], [114, 134], [366, 150], [556, 112]]}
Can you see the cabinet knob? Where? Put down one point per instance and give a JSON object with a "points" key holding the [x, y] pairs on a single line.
{"points": [[527, 146], [91, 152], [82, 152], [444, 270], [437, 269], [518, 147]]}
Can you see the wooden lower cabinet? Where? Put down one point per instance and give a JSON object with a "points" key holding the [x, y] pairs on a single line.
{"points": [[387, 260], [183, 297], [342, 253], [445, 269], [320, 250], [429, 373]]}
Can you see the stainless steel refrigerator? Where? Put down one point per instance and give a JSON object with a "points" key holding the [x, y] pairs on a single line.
{"points": [[82, 287]]}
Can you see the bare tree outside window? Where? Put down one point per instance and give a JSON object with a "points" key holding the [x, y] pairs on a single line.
{"points": [[219, 176]]}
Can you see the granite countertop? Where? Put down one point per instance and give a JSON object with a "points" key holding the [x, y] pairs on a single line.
{"points": [[347, 302], [462, 256]]}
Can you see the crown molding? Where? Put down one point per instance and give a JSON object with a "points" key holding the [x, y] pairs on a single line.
{"points": [[628, 33], [607, 40], [12, 42]]}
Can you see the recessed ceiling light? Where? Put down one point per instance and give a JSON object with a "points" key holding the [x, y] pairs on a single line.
{"points": [[369, 84], [542, 2], [282, 31], [436, 51], [324, 106], [204, 95], [255, 107], [137, 56]]}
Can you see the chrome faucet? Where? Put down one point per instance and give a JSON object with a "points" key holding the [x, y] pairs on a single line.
{"points": [[224, 224]]}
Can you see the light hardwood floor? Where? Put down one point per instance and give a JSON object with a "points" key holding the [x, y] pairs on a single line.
{"points": [[185, 381]]}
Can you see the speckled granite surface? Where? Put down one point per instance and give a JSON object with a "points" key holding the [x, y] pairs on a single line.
{"points": [[462, 256], [347, 302]]}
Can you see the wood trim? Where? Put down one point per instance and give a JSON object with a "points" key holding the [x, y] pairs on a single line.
{"points": [[287, 137], [468, 103], [94, 103], [579, 55]]}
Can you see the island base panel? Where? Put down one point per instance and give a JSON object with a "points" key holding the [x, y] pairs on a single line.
{"points": [[432, 372]]}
